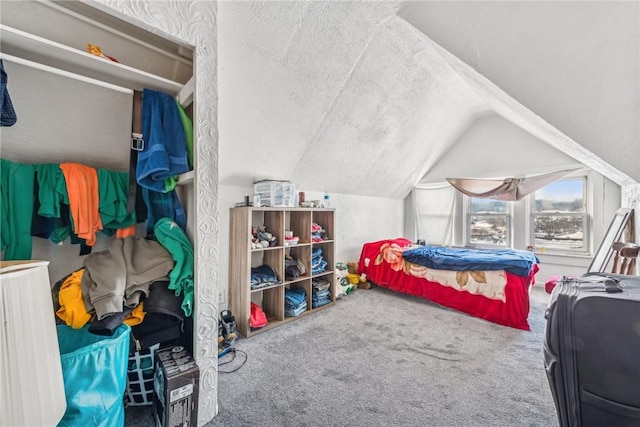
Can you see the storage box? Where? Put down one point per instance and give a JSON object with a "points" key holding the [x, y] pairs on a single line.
{"points": [[176, 383], [140, 377], [276, 193]]}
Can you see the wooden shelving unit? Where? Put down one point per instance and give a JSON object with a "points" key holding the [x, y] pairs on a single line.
{"points": [[242, 258]]}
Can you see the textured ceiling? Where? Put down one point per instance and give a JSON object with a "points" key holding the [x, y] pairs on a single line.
{"points": [[350, 98], [344, 97]]}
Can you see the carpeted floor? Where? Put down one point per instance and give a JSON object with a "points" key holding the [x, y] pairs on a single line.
{"points": [[379, 358]]}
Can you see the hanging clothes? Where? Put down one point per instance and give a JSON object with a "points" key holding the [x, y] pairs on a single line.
{"points": [[48, 176], [161, 205], [187, 125], [16, 210], [174, 240], [7, 113], [51, 208], [52, 217], [82, 189], [112, 189], [165, 154]]}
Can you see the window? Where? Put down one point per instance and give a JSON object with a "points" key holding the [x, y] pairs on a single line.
{"points": [[488, 222], [559, 216]]}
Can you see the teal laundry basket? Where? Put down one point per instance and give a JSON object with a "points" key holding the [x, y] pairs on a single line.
{"points": [[94, 369]]}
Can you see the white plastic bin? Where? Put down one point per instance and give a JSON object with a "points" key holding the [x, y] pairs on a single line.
{"points": [[276, 193]]}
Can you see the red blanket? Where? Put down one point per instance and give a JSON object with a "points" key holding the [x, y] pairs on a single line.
{"points": [[497, 296]]}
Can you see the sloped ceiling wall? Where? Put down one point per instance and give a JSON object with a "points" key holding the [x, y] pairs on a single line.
{"points": [[575, 64], [491, 134], [351, 98]]}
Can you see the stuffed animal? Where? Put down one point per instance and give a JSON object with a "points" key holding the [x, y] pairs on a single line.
{"points": [[343, 287], [358, 280]]}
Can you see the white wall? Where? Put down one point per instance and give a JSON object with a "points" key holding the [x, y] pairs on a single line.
{"points": [[358, 220]]}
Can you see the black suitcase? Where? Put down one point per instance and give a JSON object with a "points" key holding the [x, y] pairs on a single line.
{"points": [[592, 350]]}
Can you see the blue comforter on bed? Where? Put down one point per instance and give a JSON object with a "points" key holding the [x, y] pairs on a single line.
{"points": [[460, 259]]}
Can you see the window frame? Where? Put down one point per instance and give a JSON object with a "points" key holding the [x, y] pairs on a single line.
{"points": [[586, 215], [508, 215]]}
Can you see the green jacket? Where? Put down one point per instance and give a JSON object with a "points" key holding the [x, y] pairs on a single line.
{"points": [[176, 242]]}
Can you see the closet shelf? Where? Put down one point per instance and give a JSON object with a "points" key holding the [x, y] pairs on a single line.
{"points": [[37, 49], [185, 96], [186, 178]]}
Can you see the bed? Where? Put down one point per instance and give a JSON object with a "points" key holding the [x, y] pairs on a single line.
{"points": [[489, 284]]}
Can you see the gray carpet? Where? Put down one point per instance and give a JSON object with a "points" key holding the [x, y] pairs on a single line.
{"points": [[379, 358]]}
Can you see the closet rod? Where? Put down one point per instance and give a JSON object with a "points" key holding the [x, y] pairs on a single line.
{"points": [[64, 73]]}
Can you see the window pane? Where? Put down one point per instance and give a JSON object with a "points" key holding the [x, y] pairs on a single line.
{"points": [[561, 196], [488, 206], [488, 230], [562, 232]]}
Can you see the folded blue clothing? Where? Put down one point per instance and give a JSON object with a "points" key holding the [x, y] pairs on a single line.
{"points": [[320, 294], [294, 306], [320, 303], [295, 292], [297, 311], [256, 285], [263, 274], [460, 259], [320, 268], [315, 252], [316, 261], [295, 296]]}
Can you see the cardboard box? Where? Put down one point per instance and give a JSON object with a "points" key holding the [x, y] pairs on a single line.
{"points": [[176, 384]]}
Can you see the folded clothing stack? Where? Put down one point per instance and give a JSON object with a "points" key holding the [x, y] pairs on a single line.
{"points": [[263, 276], [318, 264], [293, 268], [295, 301], [318, 234], [321, 294]]}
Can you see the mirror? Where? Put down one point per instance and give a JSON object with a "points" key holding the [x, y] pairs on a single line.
{"points": [[620, 220]]}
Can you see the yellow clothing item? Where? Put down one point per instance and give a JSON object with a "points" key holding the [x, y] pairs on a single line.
{"points": [[72, 309], [136, 316]]}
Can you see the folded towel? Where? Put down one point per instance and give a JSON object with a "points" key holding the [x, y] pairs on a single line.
{"points": [[165, 148]]}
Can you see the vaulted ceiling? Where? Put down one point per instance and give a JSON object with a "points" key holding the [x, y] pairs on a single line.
{"points": [[365, 97]]}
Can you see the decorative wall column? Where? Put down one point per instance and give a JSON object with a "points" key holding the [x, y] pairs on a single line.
{"points": [[195, 23]]}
